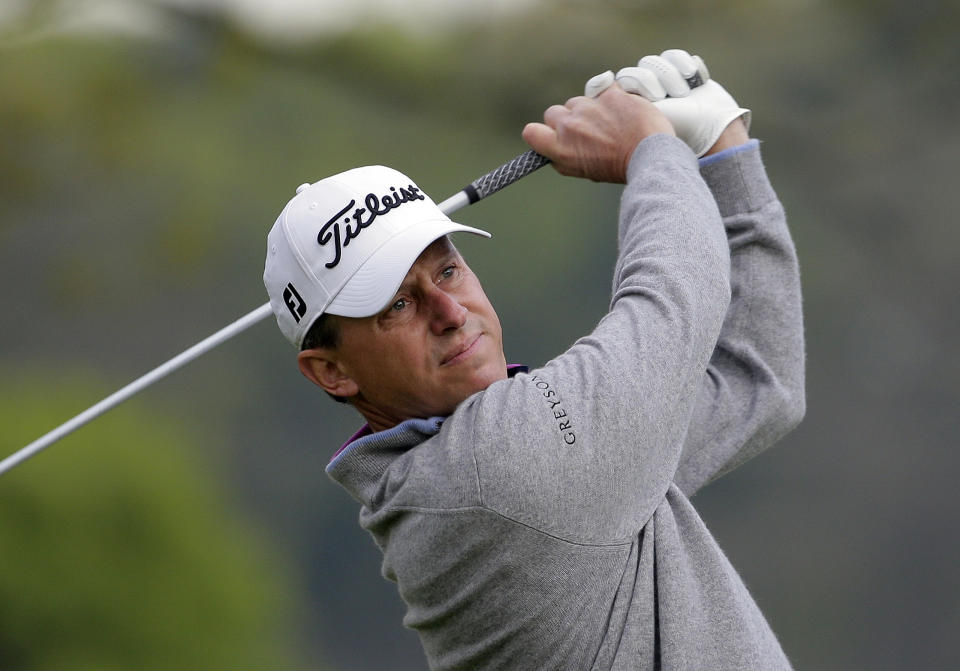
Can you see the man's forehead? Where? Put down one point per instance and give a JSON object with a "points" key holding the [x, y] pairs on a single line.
{"points": [[438, 251], [440, 248]]}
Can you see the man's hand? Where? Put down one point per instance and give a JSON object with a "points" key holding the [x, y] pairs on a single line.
{"points": [[595, 137], [703, 114]]}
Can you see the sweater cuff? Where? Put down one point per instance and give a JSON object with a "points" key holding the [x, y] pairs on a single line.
{"points": [[737, 179], [652, 148], [729, 151]]}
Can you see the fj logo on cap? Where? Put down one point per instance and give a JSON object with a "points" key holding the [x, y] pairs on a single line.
{"points": [[294, 302], [375, 206]]}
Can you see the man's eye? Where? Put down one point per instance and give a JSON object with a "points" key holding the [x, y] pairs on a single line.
{"points": [[448, 271], [399, 305]]}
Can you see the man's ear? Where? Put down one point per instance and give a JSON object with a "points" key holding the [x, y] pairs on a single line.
{"points": [[321, 367]]}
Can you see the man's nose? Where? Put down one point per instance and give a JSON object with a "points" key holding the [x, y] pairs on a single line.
{"points": [[446, 312]]}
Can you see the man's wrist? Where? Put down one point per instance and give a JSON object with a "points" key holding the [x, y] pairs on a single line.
{"points": [[734, 135]]}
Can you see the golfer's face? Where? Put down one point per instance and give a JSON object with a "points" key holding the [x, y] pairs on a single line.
{"points": [[438, 342]]}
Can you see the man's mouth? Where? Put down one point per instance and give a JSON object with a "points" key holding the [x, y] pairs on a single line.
{"points": [[461, 353]]}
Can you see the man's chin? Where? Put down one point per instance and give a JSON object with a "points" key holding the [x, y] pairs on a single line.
{"points": [[481, 381]]}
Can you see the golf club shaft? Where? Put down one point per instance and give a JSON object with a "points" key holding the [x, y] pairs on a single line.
{"points": [[137, 385], [490, 183]]}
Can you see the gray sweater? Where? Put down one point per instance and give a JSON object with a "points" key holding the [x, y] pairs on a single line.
{"points": [[546, 524]]}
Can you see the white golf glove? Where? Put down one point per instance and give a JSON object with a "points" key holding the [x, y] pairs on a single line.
{"points": [[680, 86]]}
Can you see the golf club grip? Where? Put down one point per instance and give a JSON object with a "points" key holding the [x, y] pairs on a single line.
{"points": [[505, 175], [527, 162]]}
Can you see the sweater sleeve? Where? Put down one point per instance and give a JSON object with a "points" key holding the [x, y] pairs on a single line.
{"points": [[586, 447], [753, 389]]}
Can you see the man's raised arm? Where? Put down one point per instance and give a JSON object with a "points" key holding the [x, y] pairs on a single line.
{"points": [[753, 390], [587, 446]]}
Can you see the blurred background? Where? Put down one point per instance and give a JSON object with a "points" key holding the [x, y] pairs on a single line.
{"points": [[147, 146]]}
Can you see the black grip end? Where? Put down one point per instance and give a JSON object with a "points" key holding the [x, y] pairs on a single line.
{"points": [[472, 195]]}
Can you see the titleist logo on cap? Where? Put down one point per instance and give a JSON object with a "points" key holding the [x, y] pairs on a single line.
{"points": [[375, 206]]}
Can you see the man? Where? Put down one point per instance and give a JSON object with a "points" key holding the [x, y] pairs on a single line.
{"points": [[541, 519]]}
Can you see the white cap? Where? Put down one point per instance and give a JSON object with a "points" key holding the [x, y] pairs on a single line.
{"points": [[344, 244]]}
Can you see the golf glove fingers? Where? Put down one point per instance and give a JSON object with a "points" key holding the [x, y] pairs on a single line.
{"points": [[643, 82], [598, 84], [680, 86]]}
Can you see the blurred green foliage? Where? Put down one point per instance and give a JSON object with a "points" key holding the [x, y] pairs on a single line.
{"points": [[118, 550]]}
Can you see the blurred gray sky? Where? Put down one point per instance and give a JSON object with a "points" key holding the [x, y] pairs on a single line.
{"points": [[278, 19]]}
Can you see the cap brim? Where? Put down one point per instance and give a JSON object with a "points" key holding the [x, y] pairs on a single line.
{"points": [[370, 289]]}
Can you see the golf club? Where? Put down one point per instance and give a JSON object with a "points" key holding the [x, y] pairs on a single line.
{"points": [[490, 183]]}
